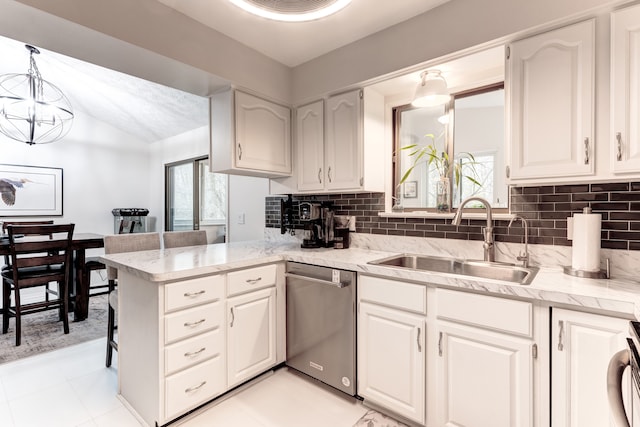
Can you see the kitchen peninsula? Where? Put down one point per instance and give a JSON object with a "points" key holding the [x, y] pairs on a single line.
{"points": [[196, 322]]}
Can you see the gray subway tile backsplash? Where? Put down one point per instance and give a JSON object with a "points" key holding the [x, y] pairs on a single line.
{"points": [[545, 207]]}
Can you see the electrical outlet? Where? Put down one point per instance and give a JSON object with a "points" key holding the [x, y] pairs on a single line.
{"points": [[241, 218]]}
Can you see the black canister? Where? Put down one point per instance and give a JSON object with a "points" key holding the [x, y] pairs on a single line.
{"points": [[341, 238]]}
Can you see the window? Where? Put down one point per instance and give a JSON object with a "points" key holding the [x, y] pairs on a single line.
{"points": [[470, 131], [195, 197]]}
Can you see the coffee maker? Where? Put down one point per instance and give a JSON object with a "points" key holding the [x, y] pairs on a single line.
{"points": [[317, 219]]}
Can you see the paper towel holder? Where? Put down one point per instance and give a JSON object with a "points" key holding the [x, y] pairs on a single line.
{"points": [[601, 274]]}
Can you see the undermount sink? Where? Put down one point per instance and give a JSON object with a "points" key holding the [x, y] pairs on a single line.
{"points": [[480, 269]]}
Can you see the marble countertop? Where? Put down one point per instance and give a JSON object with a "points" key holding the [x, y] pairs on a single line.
{"points": [[550, 284]]}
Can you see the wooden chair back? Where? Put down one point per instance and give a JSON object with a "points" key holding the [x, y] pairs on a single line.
{"points": [[178, 239], [33, 247], [6, 224]]}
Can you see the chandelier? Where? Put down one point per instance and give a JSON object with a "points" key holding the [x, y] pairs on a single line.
{"points": [[32, 110]]}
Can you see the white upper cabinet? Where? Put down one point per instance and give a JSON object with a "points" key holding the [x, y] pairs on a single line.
{"points": [[344, 141], [625, 90], [310, 146], [249, 135], [339, 145], [551, 82]]}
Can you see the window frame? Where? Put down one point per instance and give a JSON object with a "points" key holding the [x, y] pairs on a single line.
{"points": [[449, 143]]}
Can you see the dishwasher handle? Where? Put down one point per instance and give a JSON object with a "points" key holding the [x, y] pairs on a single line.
{"points": [[320, 281]]}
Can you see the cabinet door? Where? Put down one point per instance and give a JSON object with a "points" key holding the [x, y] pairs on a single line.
{"points": [[263, 134], [310, 146], [391, 360], [551, 81], [484, 378], [251, 335], [582, 345], [344, 141], [625, 89]]}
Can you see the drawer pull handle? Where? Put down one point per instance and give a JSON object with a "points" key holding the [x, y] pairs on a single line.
{"points": [[194, 294], [196, 388], [329, 174], [418, 341], [233, 318], [253, 281], [194, 353], [440, 344], [320, 175], [192, 324]]}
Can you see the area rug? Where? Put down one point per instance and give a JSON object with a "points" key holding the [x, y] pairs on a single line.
{"points": [[376, 419], [42, 332]]}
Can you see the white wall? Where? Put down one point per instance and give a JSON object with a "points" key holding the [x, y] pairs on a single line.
{"points": [[103, 168], [246, 195], [452, 27]]}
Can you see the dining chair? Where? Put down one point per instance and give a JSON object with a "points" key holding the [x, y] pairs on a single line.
{"points": [[5, 224], [178, 239], [119, 243], [42, 256]]}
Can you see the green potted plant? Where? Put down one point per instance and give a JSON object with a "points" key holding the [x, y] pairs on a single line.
{"points": [[440, 160]]}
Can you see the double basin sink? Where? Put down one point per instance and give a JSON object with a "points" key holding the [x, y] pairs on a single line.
{"points": [[477, 269]]}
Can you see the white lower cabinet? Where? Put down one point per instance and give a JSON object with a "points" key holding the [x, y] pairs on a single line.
{"points": [[251, 335], [391, 346], [392, 366], [484, 378], [485, 364], [582, 345], [184, 343]]}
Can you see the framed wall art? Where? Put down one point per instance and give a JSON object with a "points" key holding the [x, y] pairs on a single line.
{"points": [[30, 191], [410, 190]]}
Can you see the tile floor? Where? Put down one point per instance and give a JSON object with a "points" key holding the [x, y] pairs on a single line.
{"points": [[71, 387]]}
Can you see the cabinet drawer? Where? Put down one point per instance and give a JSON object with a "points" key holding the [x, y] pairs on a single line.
{"points": [[193, 292], [251, 279], [190, 388], [193, 321], [393, 293], [498, 314], [193, 350]]}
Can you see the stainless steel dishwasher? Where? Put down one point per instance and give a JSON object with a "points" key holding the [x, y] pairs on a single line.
{"points": [[321, 324]]}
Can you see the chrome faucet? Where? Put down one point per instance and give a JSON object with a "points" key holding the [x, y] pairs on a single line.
{"points": [[522, 256], [489, 252]]}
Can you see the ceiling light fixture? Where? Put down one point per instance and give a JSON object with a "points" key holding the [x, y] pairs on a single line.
{"points": [[431, 91], [292, 10], [32, 110]]}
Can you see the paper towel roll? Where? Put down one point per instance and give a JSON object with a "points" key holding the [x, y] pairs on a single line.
{"points": [[585, 254]]}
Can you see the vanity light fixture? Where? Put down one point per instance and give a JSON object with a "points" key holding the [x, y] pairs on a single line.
{"points": [[32, 110], [432, 90], [292, 10]]}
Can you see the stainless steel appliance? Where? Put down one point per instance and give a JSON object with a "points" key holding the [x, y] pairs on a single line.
{"points": [[629, 357], [129, 220], [321, 324]]}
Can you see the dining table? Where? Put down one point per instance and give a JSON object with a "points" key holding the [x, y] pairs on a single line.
{"points": [[80, 290]]}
